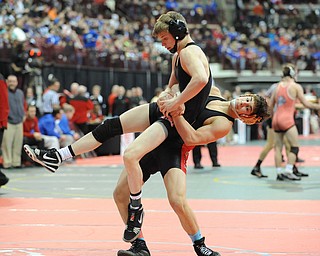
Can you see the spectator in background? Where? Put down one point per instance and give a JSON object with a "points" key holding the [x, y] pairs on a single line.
{"points": [[32, 135], [4, 112], [74, 88], [47, 124], [111, 98], [121, 103], [57, 124], [13, 136], [65, 125], [137, 97], [50, 96], [140, 97], [134, 99], [96, 97], [82, 106], [30, 98]]}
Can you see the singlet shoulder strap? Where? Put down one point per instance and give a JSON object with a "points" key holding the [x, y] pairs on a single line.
{"points": [[212, 97], [176, 61], [191, 43]]}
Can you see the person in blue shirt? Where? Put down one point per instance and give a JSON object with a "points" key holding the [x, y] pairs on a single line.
{"points": [[57, 124]]}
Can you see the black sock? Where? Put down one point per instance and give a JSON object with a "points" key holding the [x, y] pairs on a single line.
{"points": [[258, 163]]}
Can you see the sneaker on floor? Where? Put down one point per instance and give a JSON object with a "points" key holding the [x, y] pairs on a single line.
{"points": [[290, 176], [202, 250], [134, 223], [280, 177], [216, 164], [48, 158], [256, 171], [298, 173], [138, 248], [3, 179], [198, 166]]}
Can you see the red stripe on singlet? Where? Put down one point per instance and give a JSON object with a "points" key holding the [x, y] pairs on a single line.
{"points": [[184, 157]]}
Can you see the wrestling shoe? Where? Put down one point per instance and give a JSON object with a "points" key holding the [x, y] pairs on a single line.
{"points": [[299, 174], [3, 179], [138, 248], [202, 250], [290, 176], [280, 177], [134, 223], [256, 171], [48, 158]]}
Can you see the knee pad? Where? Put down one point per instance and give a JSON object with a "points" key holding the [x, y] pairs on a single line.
{"points": [[294, 150], [108, 129]]}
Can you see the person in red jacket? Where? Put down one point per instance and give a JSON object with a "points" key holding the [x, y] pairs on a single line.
{"points": [[32, 135], [4, 112], [82, 106]]}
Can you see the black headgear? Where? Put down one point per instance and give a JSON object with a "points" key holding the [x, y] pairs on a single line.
{"points": [[177, 29]]}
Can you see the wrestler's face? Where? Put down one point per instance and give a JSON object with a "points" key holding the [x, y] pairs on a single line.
{"points": [[243, 105], [167, 40]]}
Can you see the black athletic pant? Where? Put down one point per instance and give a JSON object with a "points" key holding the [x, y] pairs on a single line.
{"points": [[213, 152]]}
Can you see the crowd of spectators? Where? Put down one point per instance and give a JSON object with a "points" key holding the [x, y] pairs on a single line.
{"points": [[117, 34], [60, 116]]}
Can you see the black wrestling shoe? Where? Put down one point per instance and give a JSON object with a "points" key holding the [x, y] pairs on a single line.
{"points": [[299, 174], [290, 176], [280, 177], [256, 171], [134, 223], [202, 250], [48, 158], [138, 248], [3, 179]]}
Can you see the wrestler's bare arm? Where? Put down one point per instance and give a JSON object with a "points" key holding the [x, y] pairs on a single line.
{"points": [[217, 129], [192, 62]]}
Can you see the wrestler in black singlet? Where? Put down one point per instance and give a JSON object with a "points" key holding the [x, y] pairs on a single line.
{"points": [[207, 113], [193, 106], [173, 153]]}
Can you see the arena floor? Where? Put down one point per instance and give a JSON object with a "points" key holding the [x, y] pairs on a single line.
{"points": [[72, 212]]}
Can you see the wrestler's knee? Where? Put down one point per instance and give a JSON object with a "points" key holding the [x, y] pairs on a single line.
{"points": [[120, 195], [177, 203], [130, 154]]}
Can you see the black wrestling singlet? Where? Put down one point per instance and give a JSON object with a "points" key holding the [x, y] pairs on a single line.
{"points": [[207, 113], [194, 106]]}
